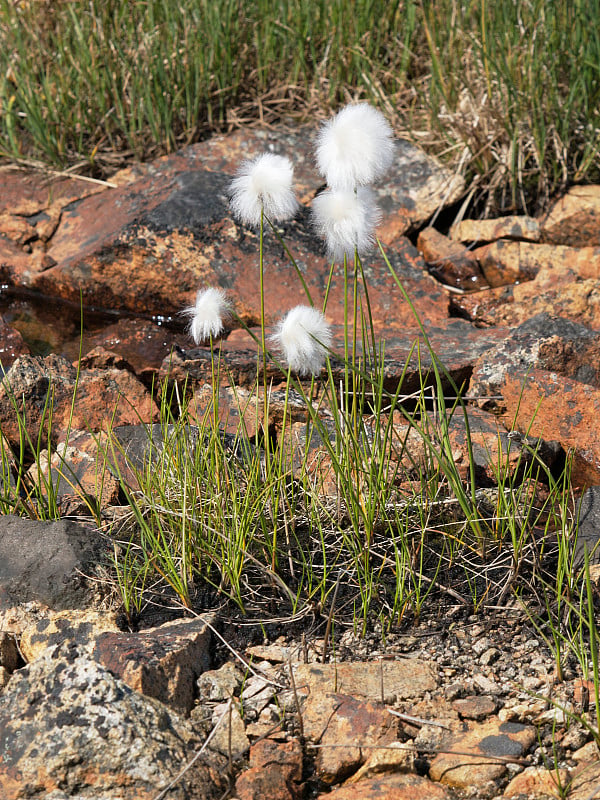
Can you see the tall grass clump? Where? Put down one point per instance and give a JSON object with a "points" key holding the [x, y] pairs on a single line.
{"points": [[514, 88], [92, 80], [506, 92]]}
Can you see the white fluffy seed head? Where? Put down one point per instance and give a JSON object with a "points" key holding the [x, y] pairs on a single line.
{"points": [[304, 335], [265, 183], [207, 315], [346, 220], [355, 148]]}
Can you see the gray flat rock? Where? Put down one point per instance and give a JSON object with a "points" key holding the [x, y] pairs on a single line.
{"points": [[46, 562]]}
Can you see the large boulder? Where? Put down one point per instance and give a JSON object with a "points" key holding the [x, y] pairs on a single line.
{"points": [[147, 245]]}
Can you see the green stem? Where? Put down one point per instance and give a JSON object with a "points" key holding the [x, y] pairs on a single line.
{"points": [[263, 335]]}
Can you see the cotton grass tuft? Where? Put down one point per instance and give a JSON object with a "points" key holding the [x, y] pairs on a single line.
{"points": [[355, 148], [346, 220], [304, 336], [264, 184], [207, 315]]}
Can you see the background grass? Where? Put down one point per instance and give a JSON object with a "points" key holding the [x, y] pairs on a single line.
{"points": [[507, 92]]}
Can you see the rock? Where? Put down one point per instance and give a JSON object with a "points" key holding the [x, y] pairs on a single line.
{"points": [[456, 343], [4, 677], [485, 308], [475, 707], [386, 681], [575, 218], [505, 262], [220, 684], [11, 346], [450, 262], [55, 628], [163, 663], [491, 744], [546, 376], [489, 230], [494, 451], [537, 782], [545, 404], [390, 787], [238, 412], [415, 187], [230, 737], [526, 261], [66, 723], [577, 300], [147, 246], [567, 284], [395, 757], [545, 342], [587, 753], [490, 656], [486, 685], [47, 561], [103, 397], [333, 720], [276, 653], [588, 527], [275, 772], [142, 344], [258, 691], [81, 481], [138, 447], [575, 738], [585, 781], [17, 229], [29, 193], [10, 658]]}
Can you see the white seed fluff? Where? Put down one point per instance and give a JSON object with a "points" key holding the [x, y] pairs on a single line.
{"points": [[304, 336], [207, 315], [355, 148], [346, 220], [265, 183]]}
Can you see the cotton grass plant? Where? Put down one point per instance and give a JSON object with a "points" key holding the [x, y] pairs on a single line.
{"points": [[342, 499], [363, 484]]}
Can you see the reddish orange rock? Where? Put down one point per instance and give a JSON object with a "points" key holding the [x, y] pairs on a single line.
{"points": [[585, 781], [481, 753], [16, 229], [450, 262], [162, 662], [489, 230], [275, 772], [148, 245], [505, 262], [552, 406], [396, 786], [104, 397], [11, 345], [143, 345], [537, 782], [575, 218], [27, 193]]}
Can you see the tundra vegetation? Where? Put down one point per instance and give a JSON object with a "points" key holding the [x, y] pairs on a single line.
{"points": [[386, 528]]}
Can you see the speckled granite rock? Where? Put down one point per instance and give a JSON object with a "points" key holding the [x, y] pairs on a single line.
{"points": [[66, 724]]}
